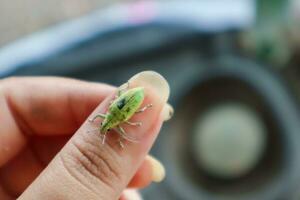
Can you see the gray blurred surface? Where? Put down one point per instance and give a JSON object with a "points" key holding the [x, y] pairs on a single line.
{"points": [[19, 18]]}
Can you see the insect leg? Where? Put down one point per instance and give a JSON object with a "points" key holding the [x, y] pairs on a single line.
{"points": [[97, 116], [144, 108], [134, 123], [103, 137], [124, 135], [121, 143]]}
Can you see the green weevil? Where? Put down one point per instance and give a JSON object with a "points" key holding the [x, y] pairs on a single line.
{"points": [[127, 102]]}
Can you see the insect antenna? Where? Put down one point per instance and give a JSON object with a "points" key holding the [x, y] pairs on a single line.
{"points": [[131, 139], [103, 138], [125, 136]]}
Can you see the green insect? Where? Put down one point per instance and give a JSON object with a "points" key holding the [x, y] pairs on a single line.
{"points": [[126, 103]]}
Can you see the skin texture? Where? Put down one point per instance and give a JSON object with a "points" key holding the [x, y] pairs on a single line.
{"points": [[46, 153]]}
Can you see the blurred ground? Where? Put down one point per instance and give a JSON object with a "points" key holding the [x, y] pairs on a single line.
{"points": [[19, 17]]}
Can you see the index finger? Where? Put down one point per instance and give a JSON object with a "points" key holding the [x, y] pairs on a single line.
{"points": [[43, 106]]}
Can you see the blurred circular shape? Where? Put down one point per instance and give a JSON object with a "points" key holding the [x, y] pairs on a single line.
{"points": [[229, 140], [232, 135]]}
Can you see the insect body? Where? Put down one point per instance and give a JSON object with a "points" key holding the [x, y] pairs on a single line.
{"points": [[126, 104]]}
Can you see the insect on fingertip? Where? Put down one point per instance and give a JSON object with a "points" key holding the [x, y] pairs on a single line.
{"points": [[121, 109]]}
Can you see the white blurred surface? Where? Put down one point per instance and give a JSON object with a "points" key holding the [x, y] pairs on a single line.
{"points": [[229, 140]]}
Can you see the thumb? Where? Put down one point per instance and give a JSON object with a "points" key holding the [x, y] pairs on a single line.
{"points": [[87, 169]]}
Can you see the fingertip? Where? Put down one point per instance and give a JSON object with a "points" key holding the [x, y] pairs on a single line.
{"points": [[131, 194], [157, 92], [154, 80], [167, 112], [157, 169]]}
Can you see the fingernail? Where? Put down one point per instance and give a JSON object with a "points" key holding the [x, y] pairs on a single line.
{"points": [[131, 194], [167, 112], [155, 81], [158, 170]]}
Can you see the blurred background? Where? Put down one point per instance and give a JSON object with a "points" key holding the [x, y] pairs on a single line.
{"points": [[233, 68]]}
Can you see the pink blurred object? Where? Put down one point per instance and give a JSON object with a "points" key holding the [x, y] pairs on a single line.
{"points": [[141, 11]]}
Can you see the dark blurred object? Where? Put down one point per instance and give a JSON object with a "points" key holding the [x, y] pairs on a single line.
{"points": [[235, 130]]}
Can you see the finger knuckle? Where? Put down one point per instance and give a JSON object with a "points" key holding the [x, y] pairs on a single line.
{"points": [[89, 160]]}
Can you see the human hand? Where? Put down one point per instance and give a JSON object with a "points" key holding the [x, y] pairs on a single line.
{"points": [[40, 118]]}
